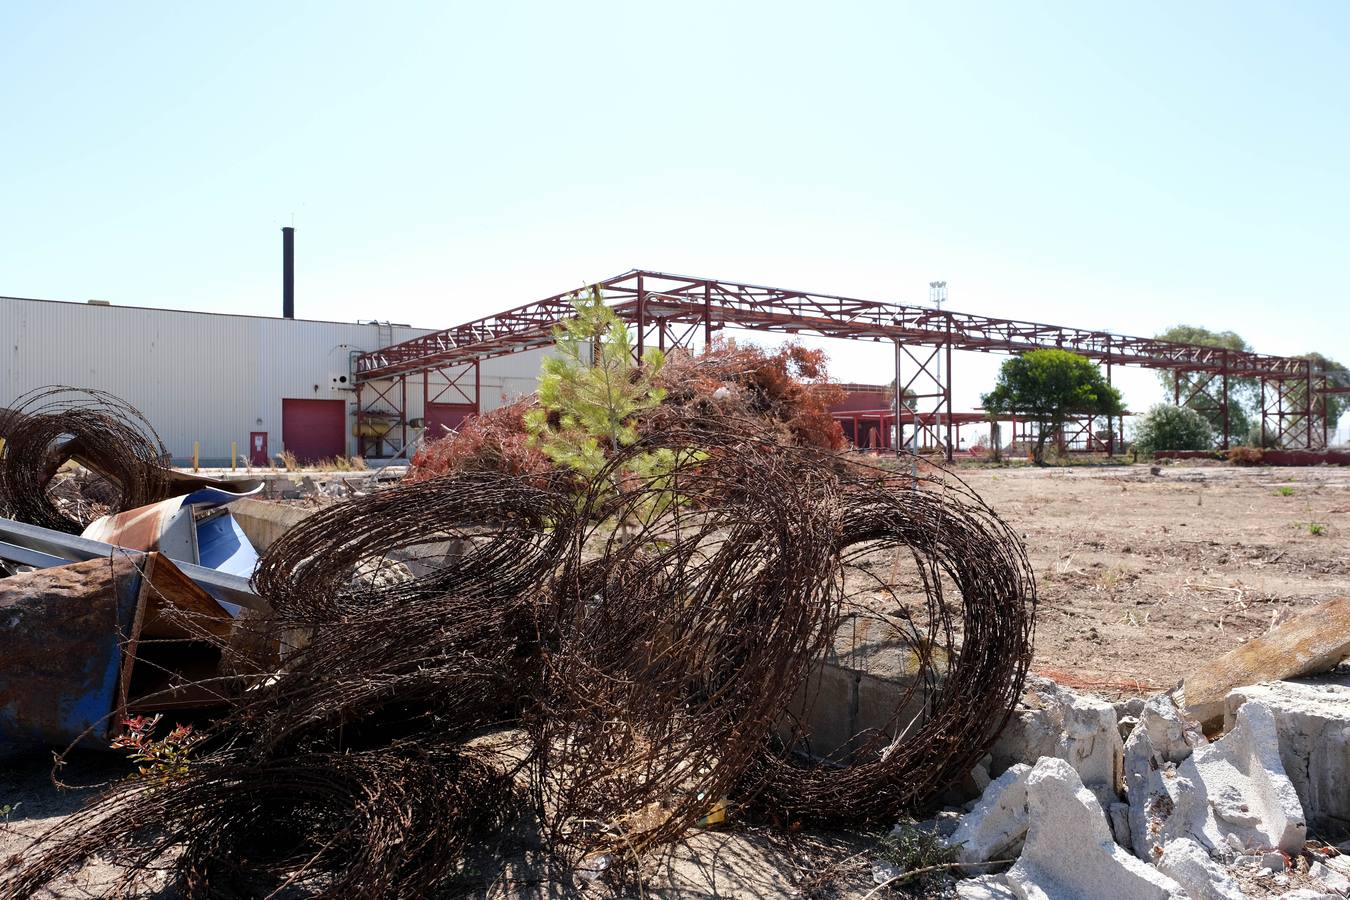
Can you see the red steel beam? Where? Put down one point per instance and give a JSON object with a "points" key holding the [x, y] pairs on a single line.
{"points": [[642, 296]]}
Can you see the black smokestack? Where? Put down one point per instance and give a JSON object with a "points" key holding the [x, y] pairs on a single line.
{"points": [[288, 273]]}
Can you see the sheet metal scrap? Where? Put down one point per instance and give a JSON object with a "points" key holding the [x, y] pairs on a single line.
{"points": [[633, 647], [86, 643]]}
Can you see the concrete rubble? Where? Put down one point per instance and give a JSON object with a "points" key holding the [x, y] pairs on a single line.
{"points": [[1232, 796], [1221, 819], [1055, 721], [1069, 850], [1187, 863], [1312, 720], [997, 825]]}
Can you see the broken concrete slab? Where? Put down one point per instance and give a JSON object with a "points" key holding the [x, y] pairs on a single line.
{"points": [[985, 887], [1187, 863], [1231, 797], [1330, 878], [1069, 851], [265, 521], [997, 825], [1162, 740], [1312, 720], [1313, 642], [1055, 721], [1250, 802]]}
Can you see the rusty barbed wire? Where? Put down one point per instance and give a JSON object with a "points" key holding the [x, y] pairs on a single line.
{"points": [[604, 666], [45, 428]]}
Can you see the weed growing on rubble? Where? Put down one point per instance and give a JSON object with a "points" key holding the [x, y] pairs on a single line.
{"points": [[1315, 528], [1285, 491], [914, 850]]}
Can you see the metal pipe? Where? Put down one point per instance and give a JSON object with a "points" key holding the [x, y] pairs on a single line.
{"points": [[288, 272]]}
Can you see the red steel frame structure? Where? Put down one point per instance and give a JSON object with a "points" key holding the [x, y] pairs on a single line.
{"points": [[669, 311]]}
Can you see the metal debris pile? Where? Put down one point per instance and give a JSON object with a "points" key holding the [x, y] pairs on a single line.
{"points": [[601, 665], [43, 430]]}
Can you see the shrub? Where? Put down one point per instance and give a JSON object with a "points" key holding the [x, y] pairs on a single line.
{"points": [[496, 441], [1166, 427]]}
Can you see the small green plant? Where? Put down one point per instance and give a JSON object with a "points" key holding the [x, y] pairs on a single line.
{"points": [[1315, 528], [591, 392], [7, 809], [590, 396], [1285, 491], [158, 760], [922, 857]]}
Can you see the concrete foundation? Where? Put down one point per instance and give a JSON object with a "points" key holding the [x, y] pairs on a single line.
{"points": [[1312, 721]]}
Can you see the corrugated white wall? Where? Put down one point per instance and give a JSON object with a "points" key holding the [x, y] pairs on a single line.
{"points": [[508, 378], [196, 376]]}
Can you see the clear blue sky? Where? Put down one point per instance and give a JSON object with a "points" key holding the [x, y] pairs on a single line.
{"points": [[1122, 166]]}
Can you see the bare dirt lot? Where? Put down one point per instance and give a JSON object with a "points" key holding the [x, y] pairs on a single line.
{"points": [[1140, 576]]}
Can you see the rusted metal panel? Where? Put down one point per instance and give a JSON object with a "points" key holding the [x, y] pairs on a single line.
{"points": [[71, 638], [61, 637]]}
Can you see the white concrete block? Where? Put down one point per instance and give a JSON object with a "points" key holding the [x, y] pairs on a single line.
{"points": [[1312, 720], [1244, 798], [994, 829], [1069, 852], [1054, 721], [1231, 797], [1163, 739], [1187, 863], [1331, 879], [985, 887]]}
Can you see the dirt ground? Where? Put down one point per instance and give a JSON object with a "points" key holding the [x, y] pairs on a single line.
{"points": [[1140, 576]]}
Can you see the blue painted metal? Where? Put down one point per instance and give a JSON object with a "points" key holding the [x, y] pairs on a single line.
{"points": [[62, 632]]}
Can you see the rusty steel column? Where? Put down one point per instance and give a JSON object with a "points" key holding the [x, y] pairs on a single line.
{"points": [[1223, 399], [403, 387], [641, 316], [1110, 420], [707, 315], [899, 428], [1263, 410], [1308, 402], [947, 388]]}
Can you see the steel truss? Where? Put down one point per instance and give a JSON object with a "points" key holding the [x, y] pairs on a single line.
{"points": [[669, 311]]}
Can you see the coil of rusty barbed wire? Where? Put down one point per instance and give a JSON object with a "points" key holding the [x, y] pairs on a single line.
{"points": [[49, 426], [962, 639]]}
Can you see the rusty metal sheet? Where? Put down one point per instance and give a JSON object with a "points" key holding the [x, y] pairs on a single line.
{"points": [[62, 632]]}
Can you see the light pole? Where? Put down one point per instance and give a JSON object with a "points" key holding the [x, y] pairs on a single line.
{"points": [[937, 295]]}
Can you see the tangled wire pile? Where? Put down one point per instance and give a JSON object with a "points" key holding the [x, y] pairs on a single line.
{"points": [[49, 426], [595, 666]]}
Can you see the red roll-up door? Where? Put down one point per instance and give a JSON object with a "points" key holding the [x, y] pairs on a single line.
{"points": [[314, 429], [441, 416]]}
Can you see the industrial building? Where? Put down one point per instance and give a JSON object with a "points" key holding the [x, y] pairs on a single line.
{"points": [[215, 381]]}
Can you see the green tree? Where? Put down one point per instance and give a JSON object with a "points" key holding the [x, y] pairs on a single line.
{"points": [[1048, 387], [591, 391], [1168, 427], [1243, 393], [1337, 375]]}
